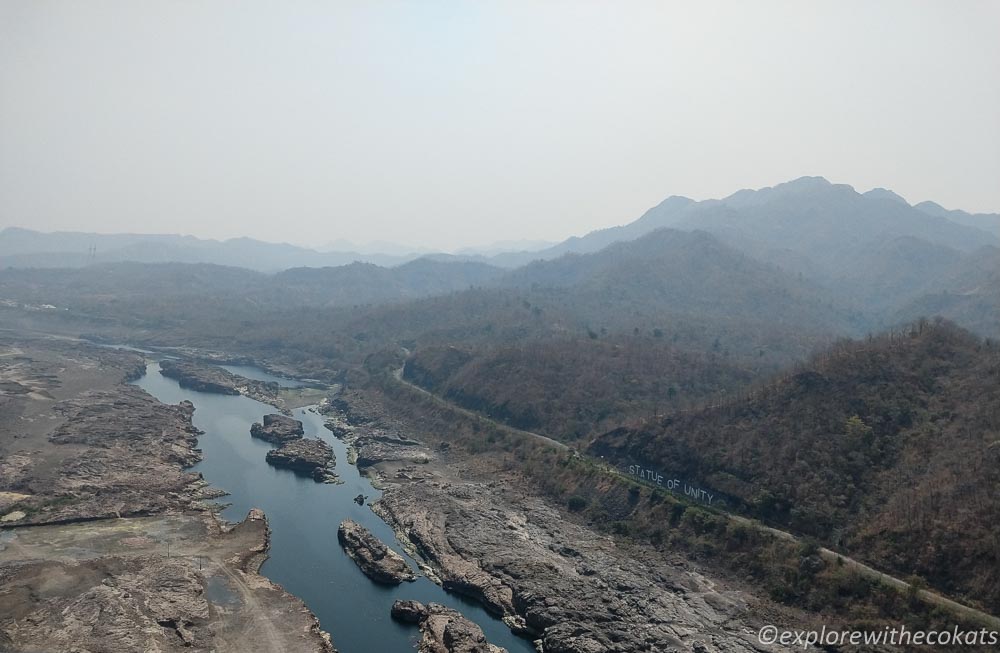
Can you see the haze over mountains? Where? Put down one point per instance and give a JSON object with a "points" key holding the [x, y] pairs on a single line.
{"points": [[801, 217], [24, 248], [806, 252]]}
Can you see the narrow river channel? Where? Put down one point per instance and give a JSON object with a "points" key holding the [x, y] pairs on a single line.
{"points": [[305, 557]]}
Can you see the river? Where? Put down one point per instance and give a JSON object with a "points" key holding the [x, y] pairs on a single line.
{"points": [[305, 557]]}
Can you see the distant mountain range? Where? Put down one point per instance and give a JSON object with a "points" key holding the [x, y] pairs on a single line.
{"points": [[808, 225], [870, 252], [807, 253], [24, 248]]}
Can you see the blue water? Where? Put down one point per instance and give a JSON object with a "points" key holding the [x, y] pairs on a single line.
{"points": [[305, 557], [258, 374]]}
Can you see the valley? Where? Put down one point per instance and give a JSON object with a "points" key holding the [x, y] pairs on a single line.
{"points": [[662, 444], [499, 327]]}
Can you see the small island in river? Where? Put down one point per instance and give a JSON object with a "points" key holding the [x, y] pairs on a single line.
{"points": [[202, 377], [310, 457], [376, 560], [277, 429]]}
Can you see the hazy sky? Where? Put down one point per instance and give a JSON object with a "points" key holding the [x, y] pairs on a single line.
{"points": [[454, 123]]}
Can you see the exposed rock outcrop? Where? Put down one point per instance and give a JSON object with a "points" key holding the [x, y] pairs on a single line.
{"points": [[409, 612], [376, 560], [198, 377], [212, 378], [278, 429], [559, 582], [373, 445], [444, 630], [568, 587], [101, 441], [373, 451], [310, 457], [113, 589]]}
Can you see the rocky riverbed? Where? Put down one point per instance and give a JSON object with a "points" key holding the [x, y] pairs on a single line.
{"points": [[373, 557], [84, 445], [166, 583], [442, 629], [123, 552], [371, 443], [571, 589]]}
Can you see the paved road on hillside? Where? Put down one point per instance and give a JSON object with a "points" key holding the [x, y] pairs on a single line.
{"points": [[468, 413]]}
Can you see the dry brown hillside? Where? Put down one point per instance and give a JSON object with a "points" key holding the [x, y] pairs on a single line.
{"points": [[887, 448]]}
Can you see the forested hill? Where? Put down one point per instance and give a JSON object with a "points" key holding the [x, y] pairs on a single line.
{"points": [[968, 293], [688, 289], [366, 283], [888, 448], [667, 320], [145, 283], [569, 388], [690, 273]]}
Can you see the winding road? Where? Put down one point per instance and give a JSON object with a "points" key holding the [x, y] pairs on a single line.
{"points": [[828, 555], [544, 439]]}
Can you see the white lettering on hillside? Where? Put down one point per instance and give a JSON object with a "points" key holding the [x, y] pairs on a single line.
{"points": [[657, 478]]}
